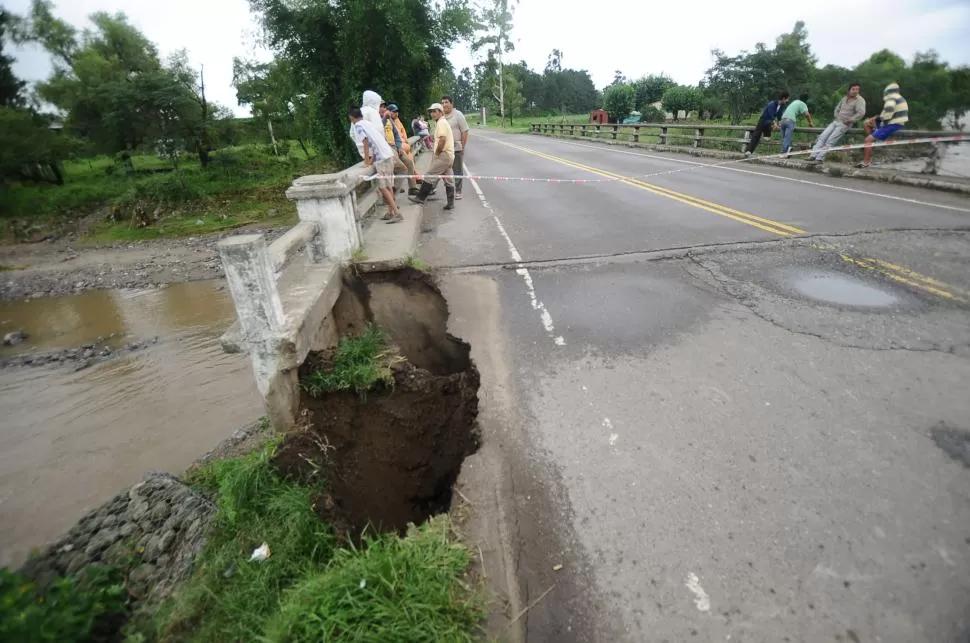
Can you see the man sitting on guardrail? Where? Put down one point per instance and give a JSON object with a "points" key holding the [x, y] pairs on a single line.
{"points": [[441, 164], [790, 117], [375, 151], [895, 114], [767, 122], [851, 108]]}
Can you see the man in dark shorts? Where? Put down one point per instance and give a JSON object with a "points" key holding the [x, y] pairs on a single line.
{"points": [[895, 114]]}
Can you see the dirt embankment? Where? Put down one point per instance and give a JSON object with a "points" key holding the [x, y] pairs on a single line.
{"points": [[47, 269], [390, 457]]}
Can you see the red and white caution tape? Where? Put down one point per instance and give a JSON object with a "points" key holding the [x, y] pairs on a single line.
{"points": [[532, 179]]}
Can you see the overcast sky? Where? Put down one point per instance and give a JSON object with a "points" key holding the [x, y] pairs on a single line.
{"points": [[636, 40]]}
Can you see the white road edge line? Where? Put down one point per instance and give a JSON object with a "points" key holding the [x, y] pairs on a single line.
{"points": [[523, 272], [772, 176]]}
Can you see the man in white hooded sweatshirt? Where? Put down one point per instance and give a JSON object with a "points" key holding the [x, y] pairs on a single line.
{"points": [[370, 107]]}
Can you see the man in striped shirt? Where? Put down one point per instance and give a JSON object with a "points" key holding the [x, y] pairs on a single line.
{"points": [[895, 114]]}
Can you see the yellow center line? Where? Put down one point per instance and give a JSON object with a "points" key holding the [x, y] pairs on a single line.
{"points": [[893, 271], [775, 227]]}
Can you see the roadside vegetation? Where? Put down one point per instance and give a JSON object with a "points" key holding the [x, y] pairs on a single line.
{"points": [[357, 364], [310, 588]]}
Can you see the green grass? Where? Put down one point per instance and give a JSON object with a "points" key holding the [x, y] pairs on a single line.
{"points": [[391, 589], [238, 187], [415, 262], [77, 608], [359, 363], [309, 590]]}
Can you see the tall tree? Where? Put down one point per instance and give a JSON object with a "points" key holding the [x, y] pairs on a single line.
{"points": [[495, 22], [11, 87], [649, 89], [619, 101], [340, 48]]}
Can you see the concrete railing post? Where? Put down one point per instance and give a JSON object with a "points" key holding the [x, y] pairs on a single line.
{"points": [[328, 200], [745, 140], [615, 130], [636, 133], [249, 274], [597, 130], [698, 135], [663, 136]]}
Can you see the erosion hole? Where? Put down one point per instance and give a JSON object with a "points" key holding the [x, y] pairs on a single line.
{"points": [[390, 456]]}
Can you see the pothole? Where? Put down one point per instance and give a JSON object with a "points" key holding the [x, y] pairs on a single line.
{"points": [[842, 290], [954, 442], [391, 455]]}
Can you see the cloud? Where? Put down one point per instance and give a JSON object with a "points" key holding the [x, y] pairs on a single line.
{"points": [[629, 37], [638, 40], [213, 31]]}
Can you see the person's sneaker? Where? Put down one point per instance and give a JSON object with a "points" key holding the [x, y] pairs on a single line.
{"points": [[747, 154], [458, 195], [413, 191], [862, 166], [397, 218]]}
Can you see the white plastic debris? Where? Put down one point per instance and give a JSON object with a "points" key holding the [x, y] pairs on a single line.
{"points": [[363, 583], [557, 568], [260, 554]]}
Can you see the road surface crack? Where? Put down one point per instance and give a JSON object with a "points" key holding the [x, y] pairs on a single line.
{"points": [[748, 295]]}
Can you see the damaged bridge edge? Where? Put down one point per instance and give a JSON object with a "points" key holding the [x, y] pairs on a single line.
{"points": [[284, 292]]}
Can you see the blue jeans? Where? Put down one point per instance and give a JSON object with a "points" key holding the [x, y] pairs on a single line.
{"points": [[829, 138], [787, 129]]}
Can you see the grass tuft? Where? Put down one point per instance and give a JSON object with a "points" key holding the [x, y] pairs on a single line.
{"points": [[415, 262], [392, 589], [359, 363]]}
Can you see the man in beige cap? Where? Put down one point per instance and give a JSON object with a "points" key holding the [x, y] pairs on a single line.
{"points": [[441, 164]]}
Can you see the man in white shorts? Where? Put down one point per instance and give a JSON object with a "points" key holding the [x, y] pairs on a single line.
{"points": [[376, 152]]}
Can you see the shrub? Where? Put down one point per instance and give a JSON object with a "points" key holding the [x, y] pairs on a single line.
{"points": [[90, 606]]}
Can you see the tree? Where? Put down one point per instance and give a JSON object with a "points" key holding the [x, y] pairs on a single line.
{"points": [[681, 98], [513, 96], [271, 90], [650, 89], [618, 101], [555, 61], [464, 91], [496, 23], [11, 87], [340, 48], [618, 79]]}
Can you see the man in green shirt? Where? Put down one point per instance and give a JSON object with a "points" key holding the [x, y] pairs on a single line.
{"points": [[788, 119]]}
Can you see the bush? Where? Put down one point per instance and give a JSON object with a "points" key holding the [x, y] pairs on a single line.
{"points": [[90, 606], [652, 115]]}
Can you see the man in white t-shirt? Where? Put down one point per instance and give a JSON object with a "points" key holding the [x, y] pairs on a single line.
{"points": [[376, 152]]}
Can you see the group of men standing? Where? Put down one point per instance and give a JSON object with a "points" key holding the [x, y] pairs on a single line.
{"points": [[783, 114], [382, 142]]}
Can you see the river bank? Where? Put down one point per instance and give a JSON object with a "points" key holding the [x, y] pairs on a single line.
{"points": [[52, 268]]}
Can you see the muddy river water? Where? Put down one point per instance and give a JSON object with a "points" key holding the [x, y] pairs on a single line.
{"points": [[71, 440]]}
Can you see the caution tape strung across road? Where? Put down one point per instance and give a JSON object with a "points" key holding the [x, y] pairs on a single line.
{"points": [[836, 148]]}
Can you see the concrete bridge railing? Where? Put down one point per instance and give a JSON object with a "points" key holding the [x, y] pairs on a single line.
{"points": [[284, 291], [715, 135]]}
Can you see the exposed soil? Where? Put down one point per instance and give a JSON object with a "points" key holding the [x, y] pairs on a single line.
{"points": [[393, 455]]}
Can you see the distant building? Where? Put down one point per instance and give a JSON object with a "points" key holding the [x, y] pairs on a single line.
{"points": [[599, 116]]}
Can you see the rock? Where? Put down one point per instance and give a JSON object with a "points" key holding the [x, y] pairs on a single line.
{"points": [[88, 353], [83, 365], [14, 337], [105, 351]]}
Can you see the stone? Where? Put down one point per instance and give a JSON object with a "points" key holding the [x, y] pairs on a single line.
{"points": [[160, 512], [126, 530], [14, 337], [88, 353], [165, 541]]}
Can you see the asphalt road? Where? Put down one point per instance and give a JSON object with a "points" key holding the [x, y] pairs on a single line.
{"points": [[731, 403]]}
